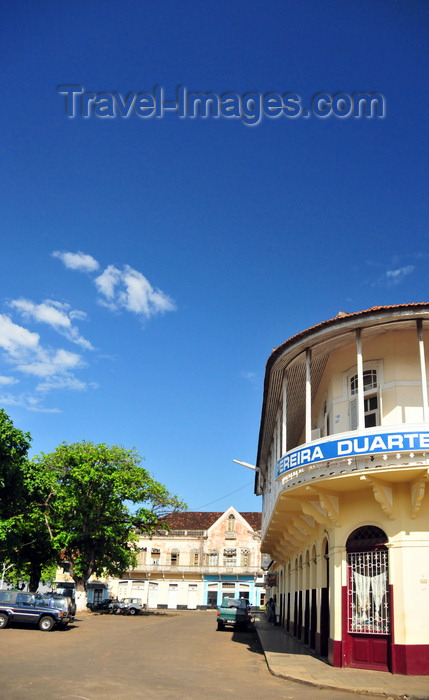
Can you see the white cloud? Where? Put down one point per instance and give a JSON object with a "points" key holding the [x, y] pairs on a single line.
{"points": [[16, 339], [23, 350], [64, 382], [107, 281], [131, 290], [125, 288], [77, 261], [58, 316], [7, 380], [29, 402], [47, 364], [397, 275]]}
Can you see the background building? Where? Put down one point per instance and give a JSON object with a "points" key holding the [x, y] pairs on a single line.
{"points": [[343, 463], [201, 559]]}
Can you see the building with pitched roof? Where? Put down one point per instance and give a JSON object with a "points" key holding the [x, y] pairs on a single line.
{"points": [[343, 465], [196, 561]]}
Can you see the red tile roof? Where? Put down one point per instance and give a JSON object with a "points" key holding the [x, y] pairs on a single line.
{"points": [[188, 520], [343, 315]]}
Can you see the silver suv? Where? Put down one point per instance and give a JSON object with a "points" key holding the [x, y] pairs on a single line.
{"points": [[130, 606]]}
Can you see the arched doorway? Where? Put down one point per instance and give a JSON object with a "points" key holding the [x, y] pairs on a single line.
{"points": [[366, 615]]}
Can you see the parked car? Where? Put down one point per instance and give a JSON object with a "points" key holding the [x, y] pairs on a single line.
{"points": [[104, 606], [130, 606], [235, 612], [53, 600], [16, 606]]}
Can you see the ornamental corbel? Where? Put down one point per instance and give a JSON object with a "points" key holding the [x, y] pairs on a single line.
{"points": [[313, 508], [418, 487], [383, 494], [329, 503], [296, 533], [303, 526]]}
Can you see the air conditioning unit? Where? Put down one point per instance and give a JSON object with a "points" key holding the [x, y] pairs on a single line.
{"points": [[315, 434]]}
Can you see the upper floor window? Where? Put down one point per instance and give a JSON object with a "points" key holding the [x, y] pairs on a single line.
{"points": [[371, 399], [194, 557], [155, 554], [229, 557], [245, 557], [369, 381], [213, 557], [174, 557], [230, 527]]}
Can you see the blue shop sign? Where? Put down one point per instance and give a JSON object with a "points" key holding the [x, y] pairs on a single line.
{"points": [[319, 451]]}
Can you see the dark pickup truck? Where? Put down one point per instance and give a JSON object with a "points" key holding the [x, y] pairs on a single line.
{"points": [[234, 611], [16, 606]]}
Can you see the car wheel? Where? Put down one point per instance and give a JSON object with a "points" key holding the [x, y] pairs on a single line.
{"points": [[132, 611], [46, 623], [3, 620], [220, 625]]}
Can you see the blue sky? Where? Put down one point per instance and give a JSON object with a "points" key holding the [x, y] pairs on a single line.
{"points": [[150, 265]]}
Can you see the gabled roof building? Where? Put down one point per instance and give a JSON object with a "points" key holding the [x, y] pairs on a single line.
{"points": [[201, 558], [343, 466]]}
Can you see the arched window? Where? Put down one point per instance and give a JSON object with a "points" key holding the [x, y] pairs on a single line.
{"points": [[368, 581], [371, 399]]}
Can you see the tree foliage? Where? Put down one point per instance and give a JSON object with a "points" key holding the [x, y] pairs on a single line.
{"points": [[101, 497], [81, 506], [25, 545]]}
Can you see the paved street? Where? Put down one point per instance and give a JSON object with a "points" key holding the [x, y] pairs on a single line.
{"points": [[157, 655]]}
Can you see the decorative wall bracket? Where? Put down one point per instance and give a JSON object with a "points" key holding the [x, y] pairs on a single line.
{"points": [[418, 487], [383, 494]]}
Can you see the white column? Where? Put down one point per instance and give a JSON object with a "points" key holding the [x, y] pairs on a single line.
{"points": [[284, 417], [279, 433], [423, 370], [308, 395], [359, 362]]}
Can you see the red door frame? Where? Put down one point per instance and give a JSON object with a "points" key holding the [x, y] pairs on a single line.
{"points": [[366, 651]]}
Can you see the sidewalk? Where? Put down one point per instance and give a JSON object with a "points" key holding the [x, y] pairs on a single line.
{"points": [[288, 658]]}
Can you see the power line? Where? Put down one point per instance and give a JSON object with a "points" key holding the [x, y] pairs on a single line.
{"points": [[226, 496]]}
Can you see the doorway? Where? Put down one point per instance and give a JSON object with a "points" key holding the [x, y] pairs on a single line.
{"points": [[367, 624]]}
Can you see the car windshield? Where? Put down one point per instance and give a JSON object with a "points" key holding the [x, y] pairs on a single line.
{"points": [[53, 601], [235, 603]]}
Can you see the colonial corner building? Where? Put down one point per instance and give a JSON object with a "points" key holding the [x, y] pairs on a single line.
{"points": [[343, 464]]}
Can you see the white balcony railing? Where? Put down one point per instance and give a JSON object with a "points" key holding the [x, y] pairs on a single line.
{"points": [[179, 569]]}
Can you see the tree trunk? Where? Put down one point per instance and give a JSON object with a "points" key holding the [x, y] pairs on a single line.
{"points": [[35, 576], [81, 597]]}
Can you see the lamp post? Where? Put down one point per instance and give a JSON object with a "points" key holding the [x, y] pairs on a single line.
{"points": [[246, 464]]}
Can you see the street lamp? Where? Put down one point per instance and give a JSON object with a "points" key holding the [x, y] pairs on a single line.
{"points": [[246, 464]]}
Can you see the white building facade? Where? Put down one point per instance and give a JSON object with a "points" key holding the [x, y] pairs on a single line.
{"points": [[202, 558], [343, 464]]}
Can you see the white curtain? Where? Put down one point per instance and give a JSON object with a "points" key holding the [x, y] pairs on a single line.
{"points": [[378, 585], [362, 591]]}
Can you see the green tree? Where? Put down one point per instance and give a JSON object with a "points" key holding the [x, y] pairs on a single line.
{"points": [[25, 544], [102, 497], [14, 446]]}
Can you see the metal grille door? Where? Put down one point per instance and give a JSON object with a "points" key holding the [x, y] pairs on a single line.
{"points": [[368, 599]]}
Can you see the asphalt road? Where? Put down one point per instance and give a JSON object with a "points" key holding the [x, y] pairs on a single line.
{"points": [[155, 655]]}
